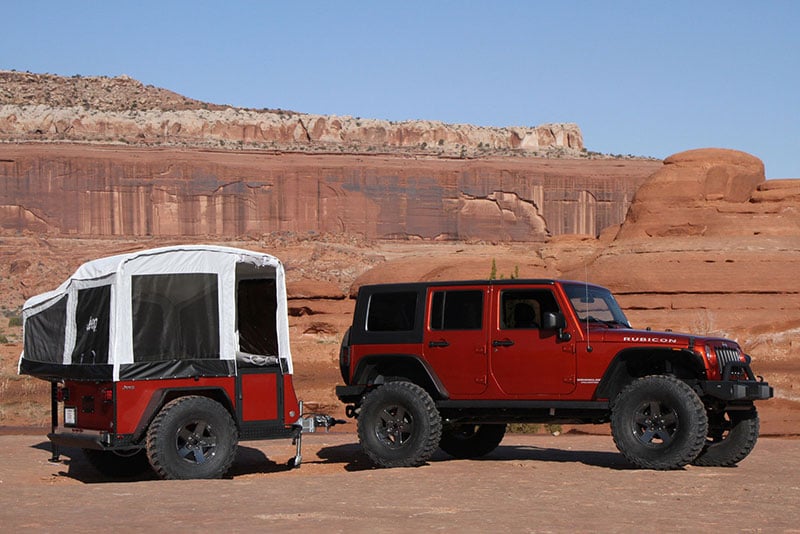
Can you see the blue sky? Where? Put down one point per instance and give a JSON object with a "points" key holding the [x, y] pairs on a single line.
{"points": [[642, 78]]}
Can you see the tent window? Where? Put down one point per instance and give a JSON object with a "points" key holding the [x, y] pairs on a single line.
{"points": [[91, 321], [175, 317], [257, 308], [45, 333]]}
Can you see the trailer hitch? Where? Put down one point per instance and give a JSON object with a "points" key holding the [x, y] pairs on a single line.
{"points": [[309, 424]]}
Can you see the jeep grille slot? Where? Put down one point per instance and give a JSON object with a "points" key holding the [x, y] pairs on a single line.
{"points": [[726, 355]]}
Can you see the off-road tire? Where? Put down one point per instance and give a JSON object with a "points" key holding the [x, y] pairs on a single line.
{"points": [[399, 425], [118, 464], [192, 437], [659, 422], [731, 437], [471, 441]]}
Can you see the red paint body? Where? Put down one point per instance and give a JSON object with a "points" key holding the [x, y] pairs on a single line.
{"points": [[125, 408]]}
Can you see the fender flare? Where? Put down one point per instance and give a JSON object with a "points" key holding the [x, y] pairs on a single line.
{"points": [[376, 369], [163, 396], [636, 362]]}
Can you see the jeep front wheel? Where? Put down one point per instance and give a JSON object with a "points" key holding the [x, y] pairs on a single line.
{"points": [[471, 441], [399, 425], [731, 437], [659, 422], [192, 437]]}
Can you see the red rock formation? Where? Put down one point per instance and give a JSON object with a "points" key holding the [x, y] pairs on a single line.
{"points": [[86, 191], [699, 192]]}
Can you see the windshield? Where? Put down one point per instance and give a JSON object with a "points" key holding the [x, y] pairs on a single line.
{"points": [[595, 305]]}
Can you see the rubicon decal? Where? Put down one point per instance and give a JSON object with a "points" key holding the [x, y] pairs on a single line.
{"points": [[649, 339]]}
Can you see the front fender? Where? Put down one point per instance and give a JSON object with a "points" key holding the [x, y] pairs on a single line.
{"points": [[633, 363]]}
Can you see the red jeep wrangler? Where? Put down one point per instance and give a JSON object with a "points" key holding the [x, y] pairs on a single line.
{"points": [[165, 358], [449, 364]]}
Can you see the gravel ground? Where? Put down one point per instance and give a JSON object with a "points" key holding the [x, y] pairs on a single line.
{"points": [[538, 483]]}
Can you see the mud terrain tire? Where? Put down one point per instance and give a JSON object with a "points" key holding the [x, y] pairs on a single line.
{"points": [[118, 464], [192, 437], [399, 425], [731, 437], [471, 441], [659, 422]]}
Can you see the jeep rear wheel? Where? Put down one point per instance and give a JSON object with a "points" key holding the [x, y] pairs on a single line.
{"points": [[659, 422], [731, 437], [118, 464], [471, 441], [399, 425], [192, 437]]}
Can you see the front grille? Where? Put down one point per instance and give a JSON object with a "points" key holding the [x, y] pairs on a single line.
{"points": [[726, 355]]}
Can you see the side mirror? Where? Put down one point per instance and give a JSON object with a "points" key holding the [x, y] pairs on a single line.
{"points": [[556, 321]]}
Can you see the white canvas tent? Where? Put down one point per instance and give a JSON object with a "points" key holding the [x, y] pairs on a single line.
{"points": [[159, 313]]}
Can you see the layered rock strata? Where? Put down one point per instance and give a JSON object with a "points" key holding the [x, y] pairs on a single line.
{"points": [[86, 191]]}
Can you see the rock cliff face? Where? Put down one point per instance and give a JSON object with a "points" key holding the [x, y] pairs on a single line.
{"points": [[112, 157], [121, 110], [86, 191]]}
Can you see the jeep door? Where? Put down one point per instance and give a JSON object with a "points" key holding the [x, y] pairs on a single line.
{"points": [[455, 337], [527, 360]]}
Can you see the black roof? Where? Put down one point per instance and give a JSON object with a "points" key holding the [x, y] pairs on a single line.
{"points": [[453, 283]]}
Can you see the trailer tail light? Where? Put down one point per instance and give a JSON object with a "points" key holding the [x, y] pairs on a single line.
{"points": [[108, 395]]}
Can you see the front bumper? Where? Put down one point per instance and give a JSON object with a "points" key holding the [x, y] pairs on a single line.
{"points": [[737, 390]]}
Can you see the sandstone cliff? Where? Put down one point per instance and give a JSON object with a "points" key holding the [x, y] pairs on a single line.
{"points": [[70, 190]]}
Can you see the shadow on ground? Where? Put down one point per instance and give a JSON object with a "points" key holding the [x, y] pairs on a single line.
{"points": [[248, 461], [355, 459]]}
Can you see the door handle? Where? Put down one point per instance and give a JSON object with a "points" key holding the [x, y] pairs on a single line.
{"points": [[502, 343], [442, 343]]}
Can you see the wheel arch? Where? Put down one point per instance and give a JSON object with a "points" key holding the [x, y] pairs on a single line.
{"points": [[378, 369], [161, 397], [633, 363]]}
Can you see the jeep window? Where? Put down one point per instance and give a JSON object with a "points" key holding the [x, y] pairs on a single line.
{"points": [[523, 308], [457, 310], [595, 304], [175, 317], [392, 312]]}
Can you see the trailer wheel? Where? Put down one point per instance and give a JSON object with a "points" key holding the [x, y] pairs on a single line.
{"points": [[192, 437], [118, 464]]}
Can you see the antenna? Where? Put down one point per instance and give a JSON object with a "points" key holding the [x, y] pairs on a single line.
{"points": [[586, 300]]}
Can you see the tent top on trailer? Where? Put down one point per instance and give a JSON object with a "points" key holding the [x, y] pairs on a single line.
{"points": [[176, 311]]}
